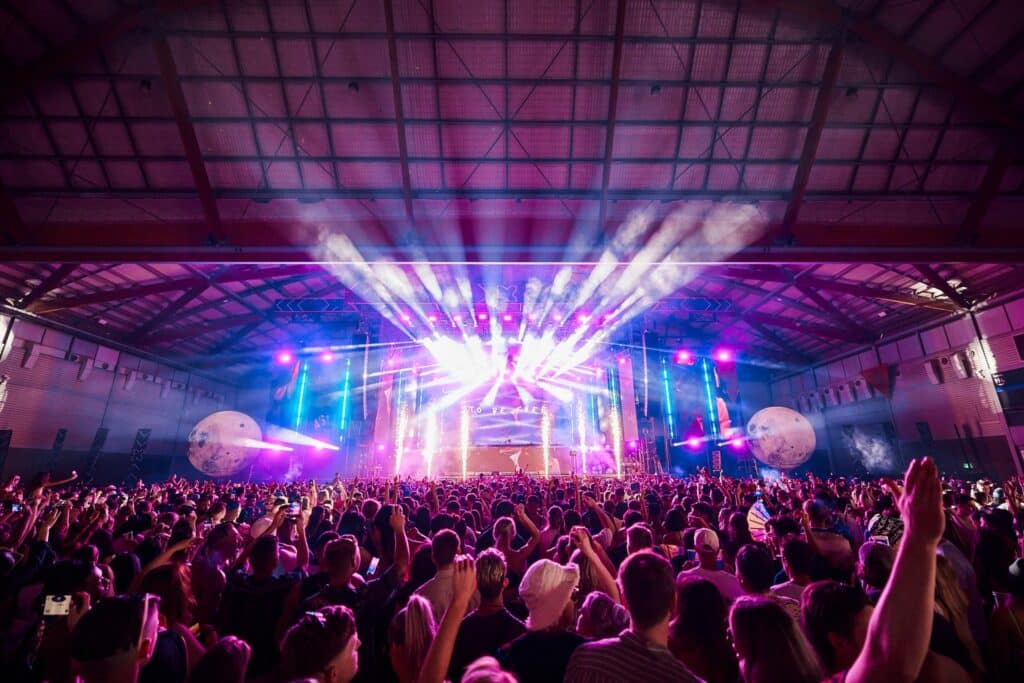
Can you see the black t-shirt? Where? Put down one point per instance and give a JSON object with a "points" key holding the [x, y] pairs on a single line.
{"points": [[539, 656], [251, 610], [481, 635], [169, 663]]}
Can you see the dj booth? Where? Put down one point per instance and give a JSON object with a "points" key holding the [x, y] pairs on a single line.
{"points": [[506, 459]]}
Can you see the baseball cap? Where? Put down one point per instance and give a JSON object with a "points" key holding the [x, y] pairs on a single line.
{"points": [[705, 541], [545, 588]]}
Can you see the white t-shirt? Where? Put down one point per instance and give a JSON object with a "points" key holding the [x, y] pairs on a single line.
{"points": [[727, 584], [790, 590]]}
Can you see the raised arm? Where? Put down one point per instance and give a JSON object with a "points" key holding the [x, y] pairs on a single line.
{"points": [[605, 580], [534, 540], [439, 656], [401, 542], [901, 626]]}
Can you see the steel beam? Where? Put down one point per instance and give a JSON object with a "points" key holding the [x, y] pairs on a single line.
{"points": [[49, 283], [837, 286], [11, 224], [831, 310], [971, 94], [85, 44], [940, 283], [297, 242], [167, 313], [396, 92], [813, 137], [987, 191], [236, 274], [190, 331], [169, 76], [613, 103]]}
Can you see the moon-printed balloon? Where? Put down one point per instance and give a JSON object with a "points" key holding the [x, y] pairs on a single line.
{"points": [[780, 437], [224, 443]]}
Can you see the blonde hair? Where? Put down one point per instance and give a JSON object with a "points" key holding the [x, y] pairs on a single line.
{"points": [[952, 602], [771, 646], [504, 528], [413, 629]]}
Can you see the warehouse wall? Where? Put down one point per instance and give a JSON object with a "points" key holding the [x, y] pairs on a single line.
{"points": [[932, 410], [45, 391]]}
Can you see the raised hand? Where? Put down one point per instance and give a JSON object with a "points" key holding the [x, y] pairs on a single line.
{"points": [[397, 519], [463, 580], [921, 503]]}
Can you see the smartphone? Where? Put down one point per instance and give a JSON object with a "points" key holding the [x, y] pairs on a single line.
{"points": [[16, 507], [372, 569], [293, 510], [57, 606]]}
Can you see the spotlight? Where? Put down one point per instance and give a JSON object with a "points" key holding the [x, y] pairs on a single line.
{"points": [[683, 357], [432, 318], [481, 316], [457, 318], [406, 317], [582, 319], [632, 445], [327, 357], [622, 360], [693, 442], [736, 443], [723, 355], [532, 317], [284, 357], [380, 448], [557, 317], [507, 317]]}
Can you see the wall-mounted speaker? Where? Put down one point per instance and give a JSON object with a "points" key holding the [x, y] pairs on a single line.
{"points": [[962, 367], [831, 397], [845, 393], [32, 352], [85, 369], [861, 390], [933, 371], [129, 382]]}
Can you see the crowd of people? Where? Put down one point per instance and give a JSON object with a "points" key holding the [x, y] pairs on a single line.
{"points": [[514, 578]]}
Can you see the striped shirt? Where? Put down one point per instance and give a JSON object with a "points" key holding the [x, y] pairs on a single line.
{"points": [[625, 659]]}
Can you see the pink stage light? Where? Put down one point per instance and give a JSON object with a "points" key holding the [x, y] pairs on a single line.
{"points": [[406, 317], [684, 357], [284, 357], [327, 357], [693, 442], [632, 445], [457, 318], [622, 360], [432, 318], [582, 319], [736, 443], [723, 355], [380, 448], [532, 317], [557, 317], [392, 362], [481, 316], [507, 317]]}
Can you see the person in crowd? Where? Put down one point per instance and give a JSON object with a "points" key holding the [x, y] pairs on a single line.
{"points": [[833, 547], [798, 563], [339, 561], [113, 641], [755, 570], [409, 637], [505, 533], [177, 649], [490, 626], [1007, 626], [226, 662], [874, 565], [770, 645], [640, 653], [322, 646], [698, 633], [601, 617], [444, 548], [705, 543], [542, 653]]}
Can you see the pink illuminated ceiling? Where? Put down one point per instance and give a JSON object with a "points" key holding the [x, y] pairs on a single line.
{"points": [[159, 164]]}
